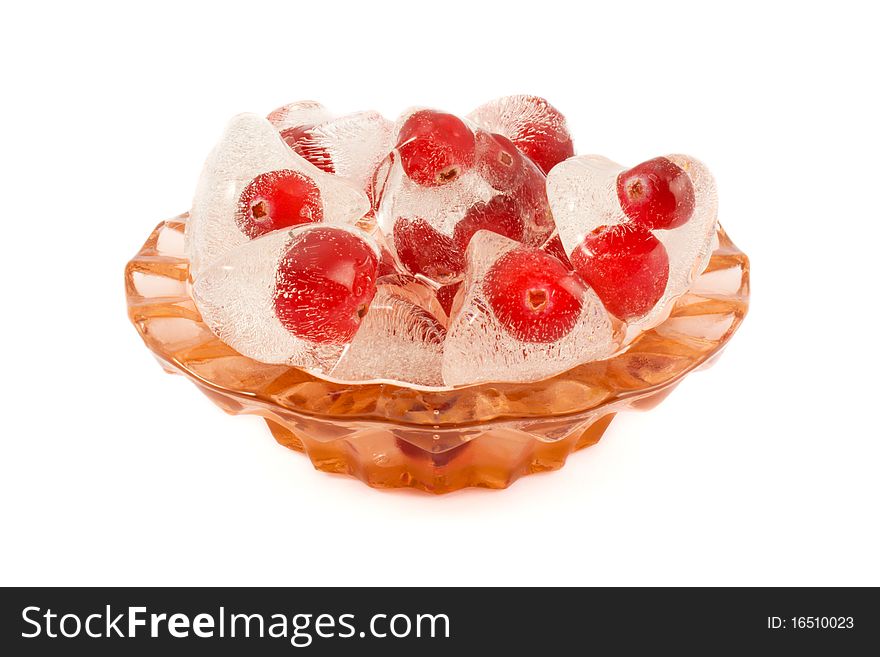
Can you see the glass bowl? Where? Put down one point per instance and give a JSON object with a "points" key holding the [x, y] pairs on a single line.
{"points": [[392, 435]]}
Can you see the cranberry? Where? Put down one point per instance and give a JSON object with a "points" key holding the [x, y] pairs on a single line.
{"points": [[435, 148], [544, 150], [278, 199], [324, 285], [500, 215], [534, 296], [656, 194], [424, 250], [626, 266], [499, 161], [541, 133]]}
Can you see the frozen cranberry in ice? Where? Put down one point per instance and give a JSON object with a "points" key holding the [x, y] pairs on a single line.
{"points": [[534, 296], [278, 199], [435, 147], [324, 285], [627, 267], [656, 194]]}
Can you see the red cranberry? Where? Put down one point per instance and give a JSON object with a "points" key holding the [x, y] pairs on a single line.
{"points": [[435, 148], [656, 194], [324, 285], [626, 266], [278, 199], [534, 296]]}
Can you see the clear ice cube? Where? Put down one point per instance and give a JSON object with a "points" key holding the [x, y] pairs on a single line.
{"points": [[583, 196], [251, 146], [301, 114], [415, 291], [472, 196], [354, 145], [442, 207], [538, 129], [512, 116], [399, 339], [478, 349], [236, 298]]}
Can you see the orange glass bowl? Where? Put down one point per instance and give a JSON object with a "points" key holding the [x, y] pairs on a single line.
{"points": [[394, 435]]}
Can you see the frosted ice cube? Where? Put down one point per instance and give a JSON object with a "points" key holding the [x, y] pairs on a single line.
{"points": [[512, 116], [537, 128], [427, 216], [301, 114], [252, 146], [415, 291], [354, 145], [478, 348], [398, 339], [583, 196], [235, 296], [693, 241], [442, 206], [437, 221]]}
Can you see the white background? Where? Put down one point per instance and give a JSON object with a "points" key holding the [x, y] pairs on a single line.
{"points": [[761, 470]]}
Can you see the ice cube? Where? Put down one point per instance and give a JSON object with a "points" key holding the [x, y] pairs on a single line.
{"points": [[301, 114], [479, 349], [236, 298], [399, 339], [583, 196], [692, 241], [537, 128], [428, 227], [419, 222], [251, 146], [353, 145], [442, 206], [415, 291]]}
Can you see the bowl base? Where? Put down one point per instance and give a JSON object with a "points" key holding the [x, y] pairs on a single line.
{"points": [[494, 459]]}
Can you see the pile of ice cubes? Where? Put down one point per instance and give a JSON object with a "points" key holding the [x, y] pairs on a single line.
{"points": [[430, 321]]}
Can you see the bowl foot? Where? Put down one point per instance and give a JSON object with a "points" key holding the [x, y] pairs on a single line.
{"points": [[494, 458]]}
